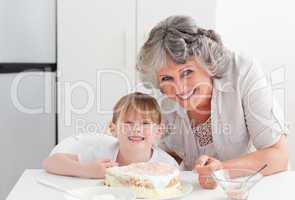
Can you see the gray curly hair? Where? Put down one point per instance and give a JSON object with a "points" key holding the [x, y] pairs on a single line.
{"points": [[178, 38]]}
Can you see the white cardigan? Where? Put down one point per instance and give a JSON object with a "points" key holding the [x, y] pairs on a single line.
{"points": [[243, 114]]}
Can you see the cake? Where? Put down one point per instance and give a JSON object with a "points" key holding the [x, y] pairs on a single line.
{"points": [[148, 180]]}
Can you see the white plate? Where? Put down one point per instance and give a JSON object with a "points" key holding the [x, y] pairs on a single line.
{"points": [[119, 193], [100, 193], [187, 188]]}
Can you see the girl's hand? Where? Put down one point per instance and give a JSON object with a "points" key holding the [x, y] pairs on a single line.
{"points": [[96, 169], [204, 167]]}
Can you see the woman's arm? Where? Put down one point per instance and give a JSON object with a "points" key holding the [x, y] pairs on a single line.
{"points": [[276, 158], [265, 124], [69, 165]]}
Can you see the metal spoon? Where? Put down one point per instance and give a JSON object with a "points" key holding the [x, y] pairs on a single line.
{"points": [[253, 175], [257, 172]]}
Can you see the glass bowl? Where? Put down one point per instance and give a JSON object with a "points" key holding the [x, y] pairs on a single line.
{"points": [[235, 182]]}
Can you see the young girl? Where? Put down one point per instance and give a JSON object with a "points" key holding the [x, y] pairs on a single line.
{"points": [[136, 123]]}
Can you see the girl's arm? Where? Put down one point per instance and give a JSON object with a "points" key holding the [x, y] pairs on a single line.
{"points": [[63, 164], [69, 165]]}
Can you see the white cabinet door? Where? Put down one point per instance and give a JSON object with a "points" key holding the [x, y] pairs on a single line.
{"points": [[27, 123], [96, 58], [27, 31]]}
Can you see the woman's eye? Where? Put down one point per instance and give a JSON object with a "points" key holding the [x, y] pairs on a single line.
{"points": [[166, 78], [187, 72]]}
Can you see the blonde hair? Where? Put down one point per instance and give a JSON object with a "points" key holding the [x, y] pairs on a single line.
{"points": [[140, 103]]}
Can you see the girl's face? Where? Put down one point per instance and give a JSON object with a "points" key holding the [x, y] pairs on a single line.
{"points": [[136, 132], [188, 84]]}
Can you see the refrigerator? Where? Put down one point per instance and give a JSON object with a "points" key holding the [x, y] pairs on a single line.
{"points": [[27, 87]]}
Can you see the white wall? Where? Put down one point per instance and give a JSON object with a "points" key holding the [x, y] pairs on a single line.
{"points": [[265, 30]]}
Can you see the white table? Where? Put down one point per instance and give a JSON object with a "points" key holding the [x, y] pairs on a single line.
{"points": [[279, 186]]}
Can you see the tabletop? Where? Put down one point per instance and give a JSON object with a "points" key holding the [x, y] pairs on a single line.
{"points": [[278, 186]]}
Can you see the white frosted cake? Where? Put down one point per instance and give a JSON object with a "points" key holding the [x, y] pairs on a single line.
{"points": [[147, 180]]}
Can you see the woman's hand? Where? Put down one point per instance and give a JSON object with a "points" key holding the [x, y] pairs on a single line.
{"points": [[96, 169], [204, 167]]}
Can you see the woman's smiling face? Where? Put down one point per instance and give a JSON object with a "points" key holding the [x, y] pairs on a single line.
{"points": [[188, 84]]}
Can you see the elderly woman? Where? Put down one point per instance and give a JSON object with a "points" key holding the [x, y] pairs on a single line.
{"points": [[226, 117]]}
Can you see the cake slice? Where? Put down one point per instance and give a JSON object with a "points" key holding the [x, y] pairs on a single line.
{"points": [[148, 180]]}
